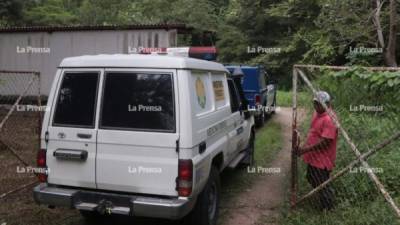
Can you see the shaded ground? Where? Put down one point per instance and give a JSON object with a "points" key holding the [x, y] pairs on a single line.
{"points": [[261, 203], [256, 203]]}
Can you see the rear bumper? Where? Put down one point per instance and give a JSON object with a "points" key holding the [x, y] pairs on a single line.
{"points": [[111, 203]]}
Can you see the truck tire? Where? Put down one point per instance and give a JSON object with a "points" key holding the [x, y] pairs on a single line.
{"points": [[260, 120], [206, 209], [274, 105], [249, 160]]}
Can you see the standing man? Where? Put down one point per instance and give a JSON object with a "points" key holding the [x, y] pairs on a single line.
{"points": [[319, 151]]}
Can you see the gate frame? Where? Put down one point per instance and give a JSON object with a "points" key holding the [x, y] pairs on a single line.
{"points": [[36, 76], [361, 158]]}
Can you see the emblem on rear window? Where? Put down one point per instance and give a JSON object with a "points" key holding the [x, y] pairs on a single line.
{"points": [[200, 92]]}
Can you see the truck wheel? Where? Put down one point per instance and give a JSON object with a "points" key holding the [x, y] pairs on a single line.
{"points": [[260, 120], [206, 209], [249, 160], [274, 105]]}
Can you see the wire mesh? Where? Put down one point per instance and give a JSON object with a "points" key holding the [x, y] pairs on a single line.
{"points": [[20, 118], [366, 102]]}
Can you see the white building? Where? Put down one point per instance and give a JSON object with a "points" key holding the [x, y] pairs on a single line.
{"points": [[42, 48]]}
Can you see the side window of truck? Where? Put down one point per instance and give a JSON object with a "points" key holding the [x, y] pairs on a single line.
{"points": [[138, 101], [76, 100], [234, 98]]}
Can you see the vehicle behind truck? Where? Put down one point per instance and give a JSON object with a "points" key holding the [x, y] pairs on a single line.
{"points": [[142, 135], [259, 89]]}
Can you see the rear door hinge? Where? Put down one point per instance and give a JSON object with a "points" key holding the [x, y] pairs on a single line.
{"points": [[177, 145], [46, 137]]}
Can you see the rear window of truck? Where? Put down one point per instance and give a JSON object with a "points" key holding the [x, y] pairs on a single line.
{"points": [[138, 101], [77, 100]]}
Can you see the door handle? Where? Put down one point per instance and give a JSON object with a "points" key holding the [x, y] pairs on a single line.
{"points": [[71, 154], [84, 136], [202, 147]]}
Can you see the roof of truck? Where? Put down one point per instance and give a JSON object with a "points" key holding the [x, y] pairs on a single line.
{"points": [[140, 61], [243, 66]]}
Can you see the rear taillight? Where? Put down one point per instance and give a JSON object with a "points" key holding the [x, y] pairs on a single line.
{"points": [[41, 164], [185, 177], [258, 99]]}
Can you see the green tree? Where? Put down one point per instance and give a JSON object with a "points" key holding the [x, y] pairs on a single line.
{"points": [[11, 12], [103, 12], [49, 12], [202, 15]]}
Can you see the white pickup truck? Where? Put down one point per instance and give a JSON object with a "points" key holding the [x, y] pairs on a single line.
{"points": [[142, 135]]}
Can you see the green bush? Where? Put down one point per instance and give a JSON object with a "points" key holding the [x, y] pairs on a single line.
{"points": [[358, 201]]}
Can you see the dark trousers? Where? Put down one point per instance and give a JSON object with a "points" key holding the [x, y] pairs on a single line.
{"points": [[317, 176]]}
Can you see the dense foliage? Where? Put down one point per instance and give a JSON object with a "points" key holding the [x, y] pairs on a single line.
{"points": [[275, 33], [358, 201]]}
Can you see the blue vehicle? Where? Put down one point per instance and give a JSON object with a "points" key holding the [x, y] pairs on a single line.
{"points": [[259, 90]]}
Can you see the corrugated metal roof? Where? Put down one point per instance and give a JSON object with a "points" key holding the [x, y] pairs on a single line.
{"points": [[179, 27]]}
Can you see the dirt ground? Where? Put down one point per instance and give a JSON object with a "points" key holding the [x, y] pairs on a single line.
{"points": [[20, 133], [261, 202], [264, 199]]}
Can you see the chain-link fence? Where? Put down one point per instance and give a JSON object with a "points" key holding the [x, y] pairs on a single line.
{"points": [[20, 121], [362, 186]]}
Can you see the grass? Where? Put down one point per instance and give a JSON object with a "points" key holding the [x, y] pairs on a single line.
{"points": [[357, 199], [284, 98], [267, 144]]}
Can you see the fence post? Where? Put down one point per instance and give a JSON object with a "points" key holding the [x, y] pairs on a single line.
{"points": [[355, 150], [293, 197], [39, 102]]}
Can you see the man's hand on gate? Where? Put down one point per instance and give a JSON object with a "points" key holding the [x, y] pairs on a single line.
{"points": [[320, 146], [301, 150]]}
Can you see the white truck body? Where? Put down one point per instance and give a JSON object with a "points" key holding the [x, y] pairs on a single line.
{"points": [[138, 152]]}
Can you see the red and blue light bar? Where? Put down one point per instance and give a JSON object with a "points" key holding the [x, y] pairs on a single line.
{"points": [[205, 53]]}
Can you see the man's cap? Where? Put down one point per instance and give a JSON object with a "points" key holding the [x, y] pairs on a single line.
{"points": [[322, 96]]}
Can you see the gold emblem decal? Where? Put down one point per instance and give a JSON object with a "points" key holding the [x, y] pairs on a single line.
{"points": [[200, 92]]}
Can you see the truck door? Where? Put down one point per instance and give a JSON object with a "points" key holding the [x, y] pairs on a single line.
{"points": [[71, 147], [245, 114], [236, 134], [138, 132]]}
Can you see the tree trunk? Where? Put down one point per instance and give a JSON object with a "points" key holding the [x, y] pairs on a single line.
{"points": [[377, 22], [390, 53]]}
